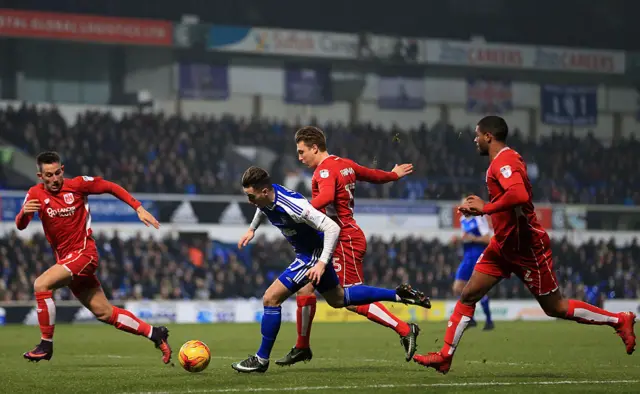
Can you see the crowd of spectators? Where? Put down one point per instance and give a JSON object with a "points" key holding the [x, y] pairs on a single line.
{"points": [[197, 268], [156, 153]]}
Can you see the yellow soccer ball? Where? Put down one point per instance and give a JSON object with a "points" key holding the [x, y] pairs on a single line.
{"points": [[194, 356]]}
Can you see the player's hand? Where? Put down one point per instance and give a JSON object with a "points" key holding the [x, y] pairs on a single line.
{"points": [[147, 218], [315, 273], [246, 238], [31, 206], [474, 205], [403, 170], [464, 209], [466, 237]]}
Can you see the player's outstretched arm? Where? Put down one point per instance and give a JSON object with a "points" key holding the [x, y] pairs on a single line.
{"points": [[26, 213], [255, 223], [380, 176], [97, 185]]}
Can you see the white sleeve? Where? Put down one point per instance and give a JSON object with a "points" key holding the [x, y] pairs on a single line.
{"points": [[304, 212], [331, 230], [483, 225], [257, 219]]}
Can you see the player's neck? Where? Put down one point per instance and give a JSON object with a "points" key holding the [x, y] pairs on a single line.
{"points": [[322, 156], [272, 195], [494, 149]]}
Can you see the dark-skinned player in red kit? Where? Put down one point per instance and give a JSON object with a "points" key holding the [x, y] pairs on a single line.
{"points": [[520, 246], [63, 207]]}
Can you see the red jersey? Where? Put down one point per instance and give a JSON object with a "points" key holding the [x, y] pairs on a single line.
{"points": [[333, 186], [65, 215], [517, 228]]}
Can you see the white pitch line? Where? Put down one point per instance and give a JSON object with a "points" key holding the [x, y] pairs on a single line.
{"points": [[364, 360], [396, 386]]}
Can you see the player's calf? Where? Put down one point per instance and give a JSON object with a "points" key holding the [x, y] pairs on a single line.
{"points": [[126, 321], [94, 299], [555, 305]]}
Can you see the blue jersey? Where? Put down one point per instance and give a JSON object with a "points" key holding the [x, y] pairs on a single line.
{"points": [[477, 226], [300, 223], [294, 216]]}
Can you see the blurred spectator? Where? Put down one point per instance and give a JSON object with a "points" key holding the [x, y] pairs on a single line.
{"points": [[140, 268], [155, 153]]}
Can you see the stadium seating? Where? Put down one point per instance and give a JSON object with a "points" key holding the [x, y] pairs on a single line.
{"points": [[190, 155], [171, 269]]}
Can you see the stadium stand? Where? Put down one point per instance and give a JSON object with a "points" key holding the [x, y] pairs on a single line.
{"points": [[192, 155], [140, 268]]}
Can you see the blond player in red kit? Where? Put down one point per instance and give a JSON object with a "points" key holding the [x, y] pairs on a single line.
{"points": [[520, 246], [333, 187], [63, 208]]}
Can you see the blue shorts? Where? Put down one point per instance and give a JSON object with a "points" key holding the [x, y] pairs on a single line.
{"points": [[465, 269], [295, 276]]}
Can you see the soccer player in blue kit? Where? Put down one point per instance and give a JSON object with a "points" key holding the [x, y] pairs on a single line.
{"points": [[475, 238], [314, 237]]}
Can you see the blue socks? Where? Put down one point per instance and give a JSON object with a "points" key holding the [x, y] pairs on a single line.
{"points": [[484, 302], [269, 328], [363, 295]]}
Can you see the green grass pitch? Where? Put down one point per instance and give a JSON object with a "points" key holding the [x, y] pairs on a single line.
{"points": [[518, 357]]}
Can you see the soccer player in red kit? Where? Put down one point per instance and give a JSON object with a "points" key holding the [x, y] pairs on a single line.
{"points": [[333, 186], [520, 246], [63, 208]]}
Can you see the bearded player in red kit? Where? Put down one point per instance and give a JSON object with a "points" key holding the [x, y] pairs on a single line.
{"points": [[520, 246], [63, 208], [333, 186]]}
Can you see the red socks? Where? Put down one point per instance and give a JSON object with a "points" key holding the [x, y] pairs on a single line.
{"points": [[378, 313], [458, 322], [126, 321], [304, 317], [584, 313], [46, 309], [375, 312]]}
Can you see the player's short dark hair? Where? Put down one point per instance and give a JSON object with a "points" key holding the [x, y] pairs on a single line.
{"points": [[47, 157], [312, 135], [256, 178], [495, 125]]}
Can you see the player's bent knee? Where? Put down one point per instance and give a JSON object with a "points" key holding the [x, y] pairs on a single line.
{"points": [[270, 299], [554, 305], [102, 312], [40, 285], [335, 303], [558, 310], [470, 297], [276, 294], [334, 297]]}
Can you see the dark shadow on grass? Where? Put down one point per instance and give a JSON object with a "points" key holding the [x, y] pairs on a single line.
{"points": [[337, 369], [514, 375]]}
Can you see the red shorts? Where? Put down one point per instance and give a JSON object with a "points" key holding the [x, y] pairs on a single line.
{"points": [[348, 258], [534, 266], [82, 267]]}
